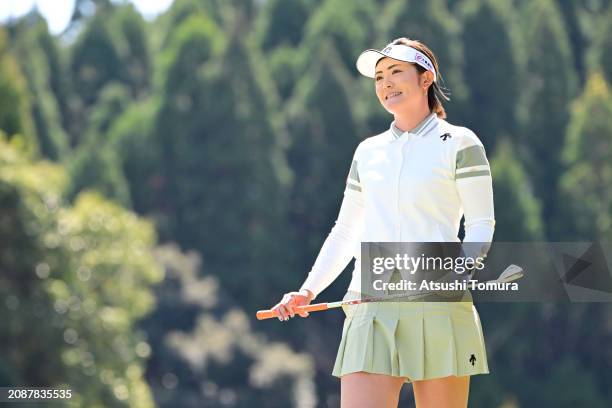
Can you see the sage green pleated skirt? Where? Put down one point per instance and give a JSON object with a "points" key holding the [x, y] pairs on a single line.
{"points": [[417, 340]]}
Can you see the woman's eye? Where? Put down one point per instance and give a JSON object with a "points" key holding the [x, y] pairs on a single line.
{"points": [[395, 70], [378, 78]]}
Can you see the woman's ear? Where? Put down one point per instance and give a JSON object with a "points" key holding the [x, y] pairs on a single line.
{"points": [[426, 79]]}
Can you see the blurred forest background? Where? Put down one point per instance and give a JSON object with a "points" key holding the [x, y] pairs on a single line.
{"points": [[162, 180]]}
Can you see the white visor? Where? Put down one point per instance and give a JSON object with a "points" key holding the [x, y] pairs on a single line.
{"points": [[366, 63]]}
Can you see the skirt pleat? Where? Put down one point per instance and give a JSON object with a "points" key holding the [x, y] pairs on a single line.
{"points": [[411, 347], [416, 340], [383, 334]]}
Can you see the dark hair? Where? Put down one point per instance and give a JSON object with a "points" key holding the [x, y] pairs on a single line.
{"points": [[435, 93]]}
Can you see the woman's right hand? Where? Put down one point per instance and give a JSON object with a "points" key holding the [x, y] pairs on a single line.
{"points": [[285, 309]]}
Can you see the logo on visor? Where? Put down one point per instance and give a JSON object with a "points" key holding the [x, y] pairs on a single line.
{"points": [[386, 50], [421, 59]]}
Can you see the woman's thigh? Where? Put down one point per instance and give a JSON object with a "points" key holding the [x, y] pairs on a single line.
{"points": [[366, 390], [447, 392]]}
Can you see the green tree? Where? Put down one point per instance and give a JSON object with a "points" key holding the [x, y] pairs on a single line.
{"points": [[95, 164], [97, 168], [191, 45], [95, 60], [38, 58], [491, 70], [85, 9], [553, 391], [58, 78], [348, 25], [570, 12], [182, 10], [131, 137], [281, 22], [114, 99], [549, 86], [112, 46], [585, 186], [325, 132], [601, 50], [207, 354], [15, 118], [517, 210], [285, 65], [134, 49], [584, 22], [75, 281], [222, 158], [536, 366]]}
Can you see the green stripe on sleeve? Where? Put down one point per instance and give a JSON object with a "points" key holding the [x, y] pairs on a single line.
{"points": [[353, 187], [471, 156], [473, 174], [354, 173]]}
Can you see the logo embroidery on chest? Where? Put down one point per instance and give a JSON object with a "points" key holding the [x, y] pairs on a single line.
{"points": [[445, 136]]}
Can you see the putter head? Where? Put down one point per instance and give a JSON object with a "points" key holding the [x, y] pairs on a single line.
{"points": [[511, 273]]}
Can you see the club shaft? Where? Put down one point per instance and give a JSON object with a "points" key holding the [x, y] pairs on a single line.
{"points": [[509, 274]]}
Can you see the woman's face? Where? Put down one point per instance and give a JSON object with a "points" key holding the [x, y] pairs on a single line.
{"points": [[399, 85]]}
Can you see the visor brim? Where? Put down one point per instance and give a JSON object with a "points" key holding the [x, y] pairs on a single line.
{"points": [[366, 62]]}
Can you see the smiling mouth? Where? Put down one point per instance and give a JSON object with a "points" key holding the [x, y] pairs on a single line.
{"points": [[392, 95]]}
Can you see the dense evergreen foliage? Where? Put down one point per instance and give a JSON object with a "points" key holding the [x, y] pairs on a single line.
{"points": [[162, 180]]}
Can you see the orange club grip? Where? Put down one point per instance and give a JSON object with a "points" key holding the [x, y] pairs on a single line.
{"points": [[269, 314]]}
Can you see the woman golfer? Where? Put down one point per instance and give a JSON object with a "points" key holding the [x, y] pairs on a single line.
{"points": [[411, 183]]}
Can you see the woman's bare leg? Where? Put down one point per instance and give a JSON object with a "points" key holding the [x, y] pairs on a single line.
{"points": [[366, 390], [447, 392]]}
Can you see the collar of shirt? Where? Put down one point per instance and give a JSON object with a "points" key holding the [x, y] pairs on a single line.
{"points": [[422, 129]]}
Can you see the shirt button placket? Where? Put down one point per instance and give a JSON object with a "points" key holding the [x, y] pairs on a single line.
{"points": [[398, 220]]}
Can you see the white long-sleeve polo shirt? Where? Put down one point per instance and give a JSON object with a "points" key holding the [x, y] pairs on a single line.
{"points": [[409, 187]]}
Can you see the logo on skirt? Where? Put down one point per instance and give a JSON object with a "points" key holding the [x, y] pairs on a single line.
{"points": [[473, 359]]}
